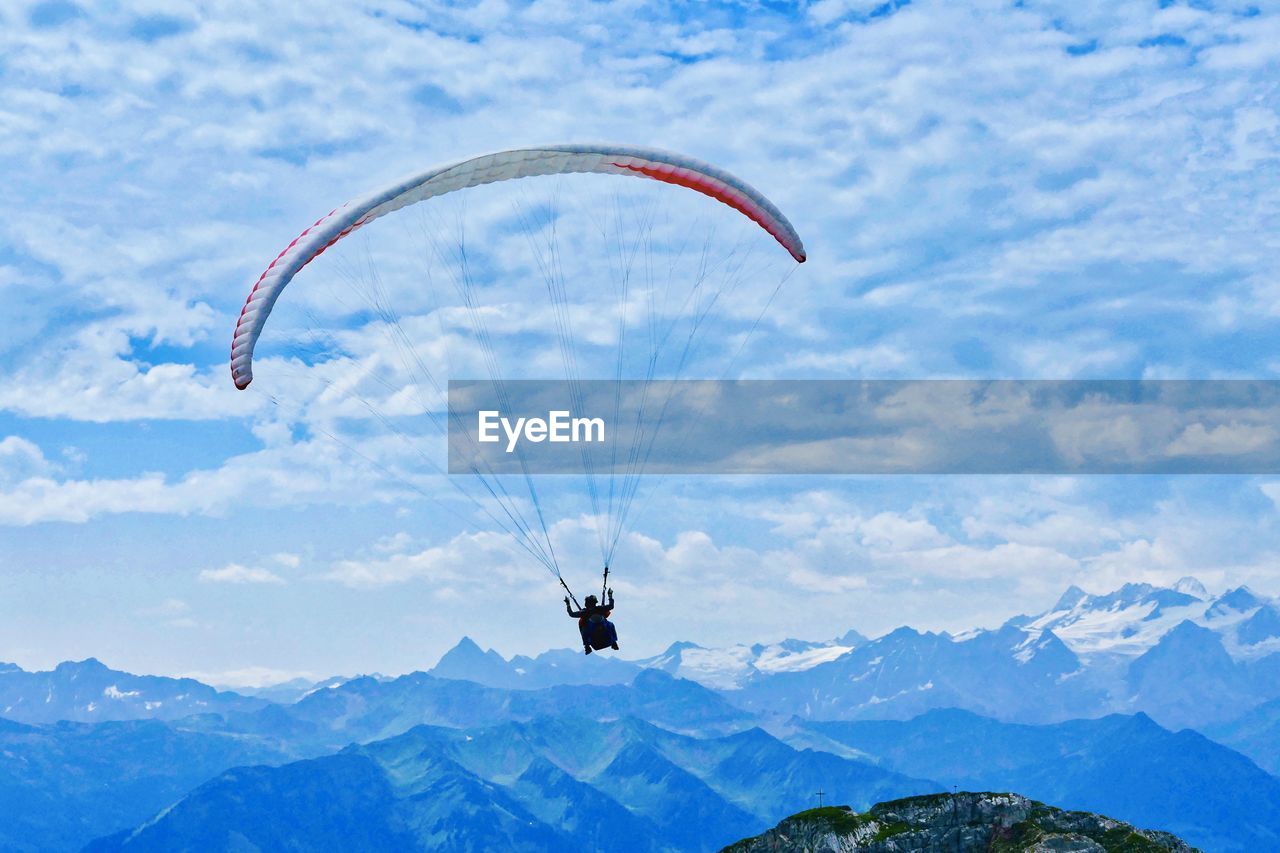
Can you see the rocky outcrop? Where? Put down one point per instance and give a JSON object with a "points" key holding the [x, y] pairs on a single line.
{"points": [[956, 823]]}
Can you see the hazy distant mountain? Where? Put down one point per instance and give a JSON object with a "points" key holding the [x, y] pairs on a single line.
{"points": [[568, 738], [960, 822], [1135, 617], [736, 666], [594, 820], [1008, 672], [751, 769], [65, 784], [1125, 766], [593, 780], [88, 691], [1177, 654], [548, 784], [348, 801], [1188, 679], [72, 782], [1256, 734], [365, 709], [725, 668], [468, 662], [287, 692]]}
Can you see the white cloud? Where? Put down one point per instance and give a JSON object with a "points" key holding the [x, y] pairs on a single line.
{"points": [[910, 141], [449, 568], [1225, 439], [171, 613], [292, 474], [97, 377], [169, 607], [238, 574], [964, 184], [249, 676], [20, 460]]}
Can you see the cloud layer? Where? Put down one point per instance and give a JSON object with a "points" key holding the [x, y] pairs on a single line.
{"points": [[1076, 190]]}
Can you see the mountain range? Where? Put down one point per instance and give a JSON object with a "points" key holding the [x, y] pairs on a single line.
{"points": [[1120, 765], [1077, 706], [1177, 654], [550, 783], [88, 691], [960, 821]]}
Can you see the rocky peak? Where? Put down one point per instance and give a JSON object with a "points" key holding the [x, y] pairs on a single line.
{"points": [[1191, 586], [1073, 596], [962, 822], [1239, 600]]}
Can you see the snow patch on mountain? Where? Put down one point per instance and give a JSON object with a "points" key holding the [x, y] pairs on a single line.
{"points": [[1191, 586], [733, 667], [723, 669], [114, 692], [1133, 619], [773, 659]]}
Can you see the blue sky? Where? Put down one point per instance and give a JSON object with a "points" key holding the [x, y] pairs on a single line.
{"points": [[1010, 190]]}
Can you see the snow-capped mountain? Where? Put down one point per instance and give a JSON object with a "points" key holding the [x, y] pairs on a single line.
{"points": [[727, 668], [1102, 634], [1006, 673], [1139, 648], [734, 667], [1134, 618], [1183, 656]]}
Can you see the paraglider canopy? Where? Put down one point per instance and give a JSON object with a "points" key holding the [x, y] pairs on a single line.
{"points": [[525, 521], [489, 168]]}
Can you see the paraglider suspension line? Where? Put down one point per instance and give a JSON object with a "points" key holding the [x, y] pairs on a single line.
{"points": [[572, 597]]}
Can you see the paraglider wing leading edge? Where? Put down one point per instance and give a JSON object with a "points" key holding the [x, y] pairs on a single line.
{"points": [[506, 165]]}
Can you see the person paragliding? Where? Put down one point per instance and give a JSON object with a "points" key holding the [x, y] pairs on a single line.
{"points": [[593, 623], [678, 170]]}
